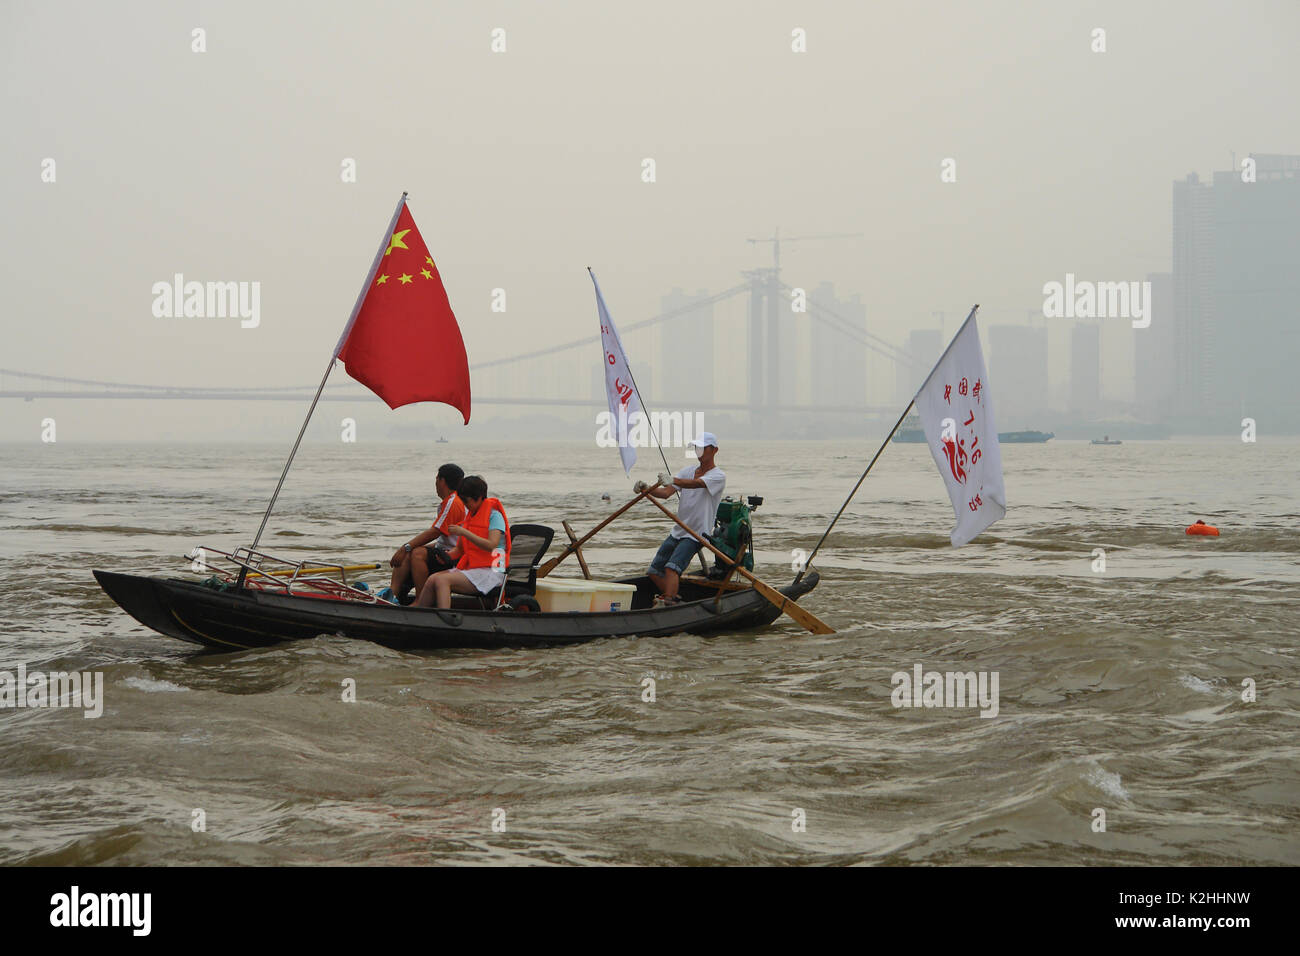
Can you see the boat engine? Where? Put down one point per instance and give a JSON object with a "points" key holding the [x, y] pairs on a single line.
{"points": [[733, 529]]}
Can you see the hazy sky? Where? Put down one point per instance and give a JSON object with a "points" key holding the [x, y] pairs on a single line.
{"points": [[525, 166]]}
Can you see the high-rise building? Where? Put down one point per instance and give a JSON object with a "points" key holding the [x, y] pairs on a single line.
{"points": [[1018, 372], [1153, 353], [686, 353], [1236, 282], [1085, 370], [1193, 261], [838, 355], [923, 347], [1256, 288]]}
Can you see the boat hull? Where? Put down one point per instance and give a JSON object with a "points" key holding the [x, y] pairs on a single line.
{"points": [[242, 619]]}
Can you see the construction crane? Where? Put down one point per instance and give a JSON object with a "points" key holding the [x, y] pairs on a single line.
{"points": [[776, 241]]}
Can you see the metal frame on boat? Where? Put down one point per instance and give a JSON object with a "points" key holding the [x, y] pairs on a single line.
{"points": [[305, 574]]}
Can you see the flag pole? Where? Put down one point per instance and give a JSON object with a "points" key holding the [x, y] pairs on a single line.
{"points": [[898, 424], [293, 451], [879, 451], [649, 422], [356, 309]]}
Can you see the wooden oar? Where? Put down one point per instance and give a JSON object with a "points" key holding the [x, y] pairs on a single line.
{"points": [[722, 585], [577, 550], [783, 603], [549, 566]]}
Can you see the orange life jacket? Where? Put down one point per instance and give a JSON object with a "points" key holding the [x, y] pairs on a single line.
{"points": [[472, 556]]}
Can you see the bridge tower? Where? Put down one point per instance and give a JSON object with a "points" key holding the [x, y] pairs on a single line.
{"points": [[765, 377]]}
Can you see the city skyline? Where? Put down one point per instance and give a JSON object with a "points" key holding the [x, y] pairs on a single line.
{"points": [[1169, 371], [258, 163]]}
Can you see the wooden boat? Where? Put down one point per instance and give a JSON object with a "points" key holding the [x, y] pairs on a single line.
{"points": [[240, 618], [258, 600]]}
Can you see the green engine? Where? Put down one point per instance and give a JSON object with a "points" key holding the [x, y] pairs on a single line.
{"points": [[733, 530]]}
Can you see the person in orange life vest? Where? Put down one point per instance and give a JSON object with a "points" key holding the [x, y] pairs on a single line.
{"points": [[429, 550], [482, 553]]}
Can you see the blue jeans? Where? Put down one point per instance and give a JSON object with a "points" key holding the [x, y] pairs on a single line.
{"points": [[674, 554]]}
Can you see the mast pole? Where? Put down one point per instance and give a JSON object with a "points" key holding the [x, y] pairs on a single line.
{"points": [[356, 309], [293, 451], [897, 425], [825, 534]]}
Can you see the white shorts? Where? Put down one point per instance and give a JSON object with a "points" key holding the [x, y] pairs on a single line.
{"points": [[485, 579]]}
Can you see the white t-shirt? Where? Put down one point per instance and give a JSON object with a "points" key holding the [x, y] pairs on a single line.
{"points": [[699, 506]]}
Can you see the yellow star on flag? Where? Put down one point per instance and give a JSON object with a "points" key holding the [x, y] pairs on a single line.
{"points": [[381, 280], [429, 259], [396, 242], [426, 273], [404, 278]]}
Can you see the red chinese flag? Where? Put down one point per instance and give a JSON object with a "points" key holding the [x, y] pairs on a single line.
{"points": [[403, 342]]}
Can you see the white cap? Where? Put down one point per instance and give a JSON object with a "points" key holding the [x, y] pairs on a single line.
{"points": [[705, 440]]}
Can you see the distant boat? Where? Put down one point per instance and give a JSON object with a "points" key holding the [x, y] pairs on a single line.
{"points": [[441, 441], [1106, 440], [911, 433]]}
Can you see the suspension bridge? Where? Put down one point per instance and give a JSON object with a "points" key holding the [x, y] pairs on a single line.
{"points": [[769, 311]]}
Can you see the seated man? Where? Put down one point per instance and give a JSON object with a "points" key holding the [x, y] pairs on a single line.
{"points": [[428, 551], [701, 489], [482, 554]]}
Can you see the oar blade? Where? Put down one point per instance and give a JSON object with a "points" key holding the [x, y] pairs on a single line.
{"points": [[803, 617], [800, 615]]}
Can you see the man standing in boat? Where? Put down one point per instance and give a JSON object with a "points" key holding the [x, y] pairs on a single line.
{"points": [[701, 489], [429, 551], [482, 554]]}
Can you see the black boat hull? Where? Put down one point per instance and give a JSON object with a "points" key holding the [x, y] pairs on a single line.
{"points": [[242, 619]]}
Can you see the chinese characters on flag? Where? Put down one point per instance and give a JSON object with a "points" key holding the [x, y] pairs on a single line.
{"points": [[622, 394], [957, 416]]}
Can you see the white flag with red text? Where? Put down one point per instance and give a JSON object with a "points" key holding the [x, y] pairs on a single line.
{"points": [[619, 389], [957, 416]]}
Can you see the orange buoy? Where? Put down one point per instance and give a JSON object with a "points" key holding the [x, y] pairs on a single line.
{"points": [[1202, 528]]}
